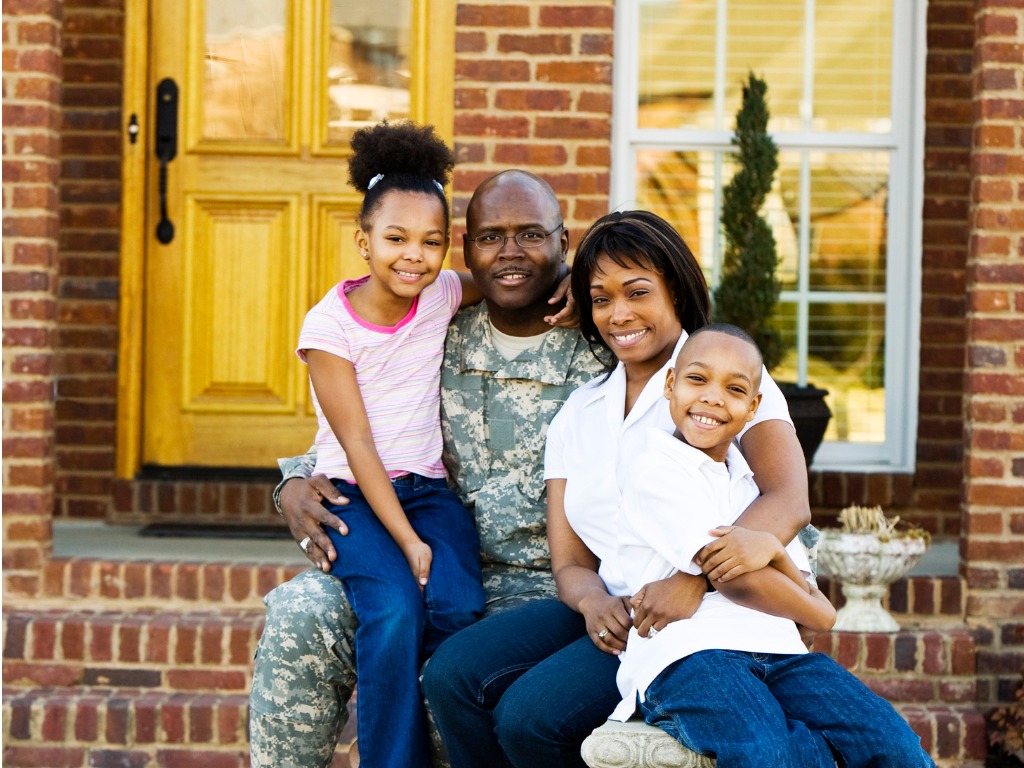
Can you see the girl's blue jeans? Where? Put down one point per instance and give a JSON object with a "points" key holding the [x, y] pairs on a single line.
{"points": [[790, 711], [523, 687], [399, 625]]}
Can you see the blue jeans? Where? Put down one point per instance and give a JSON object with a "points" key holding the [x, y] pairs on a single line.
{"points": [[523, 687], [790, 711], [399, 625]]}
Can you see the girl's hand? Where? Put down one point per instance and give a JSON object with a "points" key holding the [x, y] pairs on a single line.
{"points": [[737, 551], [419, 556], [661, 602], [604, 612]]}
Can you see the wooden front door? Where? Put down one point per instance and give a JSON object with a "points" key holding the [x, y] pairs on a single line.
{"points": [[255, 219]]}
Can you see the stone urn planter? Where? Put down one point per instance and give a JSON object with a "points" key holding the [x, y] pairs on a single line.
{"points": [[866, 556]]}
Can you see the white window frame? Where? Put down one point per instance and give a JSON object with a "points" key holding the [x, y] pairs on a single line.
{"points": [[905, 142]]}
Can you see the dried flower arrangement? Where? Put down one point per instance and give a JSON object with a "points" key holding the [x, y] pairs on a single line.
{"points": [[873, 520]]}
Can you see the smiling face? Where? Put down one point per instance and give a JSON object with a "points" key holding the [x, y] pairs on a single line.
{"points": [[404, 246], [634, 312], [713, 390], [516, 281]]}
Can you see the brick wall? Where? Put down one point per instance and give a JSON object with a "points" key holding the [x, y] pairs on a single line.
{"points": [[86, 360], [993, 507], [533, 90], [31, 125]]}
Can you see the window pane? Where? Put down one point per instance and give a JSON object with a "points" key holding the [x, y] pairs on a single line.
{"points": [[768, 39], [679, 187], [848, 219], [245, 76], [367, 65], [850, 55], [676, 85], [853, 65], [846, 356]]}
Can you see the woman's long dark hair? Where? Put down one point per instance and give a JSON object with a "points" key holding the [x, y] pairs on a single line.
{"points": [[643, 239]]}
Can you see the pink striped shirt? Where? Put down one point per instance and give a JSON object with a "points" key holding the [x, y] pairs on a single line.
{"points": [[398, 370]]}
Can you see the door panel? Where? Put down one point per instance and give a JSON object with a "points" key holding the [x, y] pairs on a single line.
{"points": [[270, 92]]}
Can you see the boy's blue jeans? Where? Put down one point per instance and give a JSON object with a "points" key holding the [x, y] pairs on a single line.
{"points": [[790, 711], [399, 625]]}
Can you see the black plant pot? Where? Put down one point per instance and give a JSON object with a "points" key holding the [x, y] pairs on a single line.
{"points": [[810, 415]]}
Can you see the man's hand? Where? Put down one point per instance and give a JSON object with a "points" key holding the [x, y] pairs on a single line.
{"points": [[300, 504], [736, 551], [662, 602]]}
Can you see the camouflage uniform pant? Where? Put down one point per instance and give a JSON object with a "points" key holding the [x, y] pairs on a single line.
{"points": [[305, 666], [304, 673]]}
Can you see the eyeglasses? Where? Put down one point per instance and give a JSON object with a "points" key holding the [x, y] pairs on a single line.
{"points": [[530, 238]]}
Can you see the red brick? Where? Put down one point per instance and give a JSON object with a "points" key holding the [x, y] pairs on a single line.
{"points": [[491, 70], [86, 727], [205, 679], [572, 128], [533, 44], [490, 125], [172, 719], [40, 757], [507, 15], [19, 673], [591, 73], [192, 757], [577, 17]]}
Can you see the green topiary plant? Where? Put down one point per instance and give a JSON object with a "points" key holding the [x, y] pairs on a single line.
{"points": [[749, 290]]}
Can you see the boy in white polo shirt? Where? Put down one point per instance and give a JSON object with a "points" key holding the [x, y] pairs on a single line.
{"points": [[735, 681]]}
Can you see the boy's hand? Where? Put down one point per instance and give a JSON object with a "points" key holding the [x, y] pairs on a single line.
{"points": [[736, 551], [419, 556], [661, 602]]}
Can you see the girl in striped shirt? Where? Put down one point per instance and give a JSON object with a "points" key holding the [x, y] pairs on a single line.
{"points": [[373, 345]]}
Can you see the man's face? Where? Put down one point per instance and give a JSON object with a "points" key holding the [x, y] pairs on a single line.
{"points": [[513, 276]]}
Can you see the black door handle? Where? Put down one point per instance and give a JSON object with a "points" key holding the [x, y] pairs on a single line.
{"points": [[166, 148]]}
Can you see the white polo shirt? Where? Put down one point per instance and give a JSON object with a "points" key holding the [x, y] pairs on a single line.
{"points": [[673, 494], [587, 438]]}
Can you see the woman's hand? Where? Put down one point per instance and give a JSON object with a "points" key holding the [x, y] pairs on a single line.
{"points": [[300, 501], [419, 556], [566, 317], [661, 602], [608, 620], [736, 551]]}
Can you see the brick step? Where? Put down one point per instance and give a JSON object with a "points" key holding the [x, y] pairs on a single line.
{"points": [[159, 650], [915, 665], [129, 727], [954, 735], [915, 599], [162, 583]]}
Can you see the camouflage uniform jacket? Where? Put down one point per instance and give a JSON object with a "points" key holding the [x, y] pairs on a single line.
{"points": [[494, 418]]}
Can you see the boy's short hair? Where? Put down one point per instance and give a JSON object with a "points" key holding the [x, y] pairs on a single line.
{"points": [[730, 330]]}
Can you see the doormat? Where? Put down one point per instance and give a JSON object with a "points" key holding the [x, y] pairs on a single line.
{"points": [[198, 531]]}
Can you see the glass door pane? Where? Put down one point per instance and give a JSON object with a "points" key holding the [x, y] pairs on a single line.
{"points": [[367, 66], [245, 84]]}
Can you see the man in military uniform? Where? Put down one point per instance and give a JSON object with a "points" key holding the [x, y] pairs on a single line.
{"points": [[505, 374]]}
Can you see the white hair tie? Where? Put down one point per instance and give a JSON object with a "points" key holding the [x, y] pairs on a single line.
{"points": [[379, 176]]}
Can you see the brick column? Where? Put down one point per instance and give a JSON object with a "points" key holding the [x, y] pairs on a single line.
{"points": [[993, 501], [533, 91], [31, 168]]}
